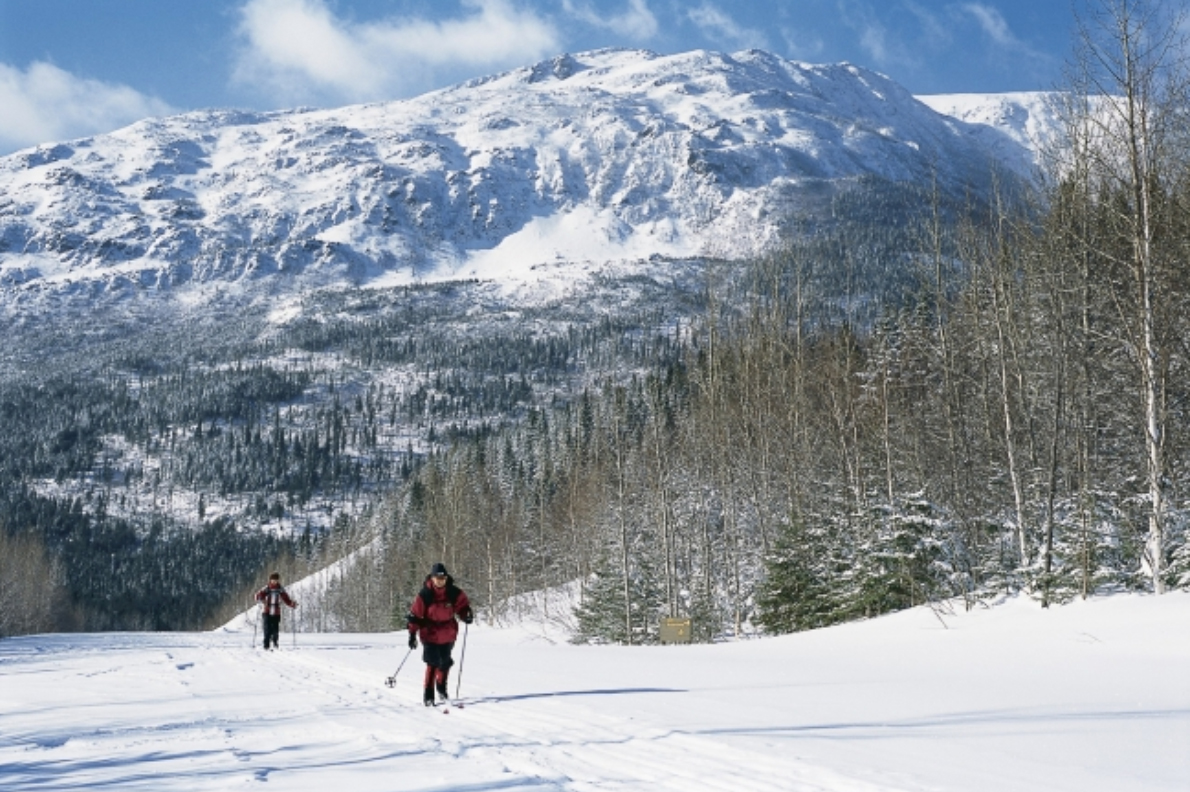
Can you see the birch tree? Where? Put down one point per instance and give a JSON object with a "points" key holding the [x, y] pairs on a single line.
{"points": [[1130, 60]]}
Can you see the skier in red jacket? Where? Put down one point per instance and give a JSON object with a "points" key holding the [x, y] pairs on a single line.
{"points": [[271, 596], [432, 615]]}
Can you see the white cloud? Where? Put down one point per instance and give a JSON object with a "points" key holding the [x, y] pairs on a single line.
{"points": [[993, 24], [996, 28], [44, 103], [719, 27], [636, 22], [801, 46], [934, 30], [874, 40], [873, 37], [298, 50]]}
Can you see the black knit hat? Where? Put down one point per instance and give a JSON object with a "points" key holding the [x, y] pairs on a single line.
{"points": [[439, 569]]}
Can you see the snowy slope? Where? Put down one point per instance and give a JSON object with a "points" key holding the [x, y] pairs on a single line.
{"points": [[1091, 697], [605, 156], [1017, 127]]}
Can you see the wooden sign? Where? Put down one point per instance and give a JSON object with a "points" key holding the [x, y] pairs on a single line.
{"points": [[675, 631]]}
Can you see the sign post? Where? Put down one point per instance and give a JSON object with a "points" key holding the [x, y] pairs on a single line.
{"points": [[676, 631]]}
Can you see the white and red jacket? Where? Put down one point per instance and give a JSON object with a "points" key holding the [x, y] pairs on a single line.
{"points": [[272, 596]]}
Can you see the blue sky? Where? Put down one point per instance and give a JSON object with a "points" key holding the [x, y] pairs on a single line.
{"points": [[77, 67]]}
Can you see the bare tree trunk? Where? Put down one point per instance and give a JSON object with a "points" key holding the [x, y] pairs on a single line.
{"points": [[619, 452], [1131, 60], [1143, 172], [886, 426], [999, 313], [661, 486], [1052, 489]]}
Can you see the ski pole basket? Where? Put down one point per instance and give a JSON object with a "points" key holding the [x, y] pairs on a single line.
{"points": [[392, 680]]}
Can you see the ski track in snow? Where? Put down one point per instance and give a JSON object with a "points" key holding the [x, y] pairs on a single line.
{"points": [[238, 715], [1012, 698]]}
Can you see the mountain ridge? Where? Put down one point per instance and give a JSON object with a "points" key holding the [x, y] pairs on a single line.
{"points": [[608, 155]]}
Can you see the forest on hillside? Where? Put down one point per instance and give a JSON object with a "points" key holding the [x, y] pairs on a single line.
{"points": [[1015, 422], [796, 467], [156, 475]]}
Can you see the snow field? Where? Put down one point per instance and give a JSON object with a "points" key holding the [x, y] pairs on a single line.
{"points": [[1091, 696]]}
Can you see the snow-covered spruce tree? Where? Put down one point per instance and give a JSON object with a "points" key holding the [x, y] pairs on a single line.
{"points": [[898, 561], [1094, 551], [601, 614], [797, 593], [708, 613], [1178, 571]]}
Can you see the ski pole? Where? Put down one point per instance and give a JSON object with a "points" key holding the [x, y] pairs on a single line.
{"points": [[255, 618], [392, 680], [462, 657]]}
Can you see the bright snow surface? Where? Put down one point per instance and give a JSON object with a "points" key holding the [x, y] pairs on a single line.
{"points": [[1089, 696]]}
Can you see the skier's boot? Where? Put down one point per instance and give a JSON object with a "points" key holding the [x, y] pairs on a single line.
{"points": [[428, 685], [441, 684]]}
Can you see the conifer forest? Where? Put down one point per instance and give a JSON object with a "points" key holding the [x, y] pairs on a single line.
{"points": [[919, 398]]}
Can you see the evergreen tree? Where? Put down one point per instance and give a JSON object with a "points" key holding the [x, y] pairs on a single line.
{"points": [[600, 615], [900, 563], [797, 593]]}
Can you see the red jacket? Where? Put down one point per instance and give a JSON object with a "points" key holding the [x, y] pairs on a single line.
{"points": [[432, 614], [272, 597]]}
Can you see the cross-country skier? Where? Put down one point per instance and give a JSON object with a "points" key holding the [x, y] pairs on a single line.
{"points": [[271, 596], [432, 616]]}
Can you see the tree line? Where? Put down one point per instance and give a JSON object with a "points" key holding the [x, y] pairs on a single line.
{"points": [[1013, 422], [263, 441]]}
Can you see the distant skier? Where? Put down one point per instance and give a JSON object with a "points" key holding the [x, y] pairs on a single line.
{"points": [[432, 615], [271, 596]]}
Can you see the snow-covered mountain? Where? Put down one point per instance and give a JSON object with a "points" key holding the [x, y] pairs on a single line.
{"points": [[1016, 127], [612, 155]]}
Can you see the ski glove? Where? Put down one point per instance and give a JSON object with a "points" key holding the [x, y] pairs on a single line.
{"points": [[412, 640], [468, 617]]}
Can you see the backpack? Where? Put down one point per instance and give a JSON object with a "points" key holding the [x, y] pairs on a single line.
{"points": [[272, 597]]}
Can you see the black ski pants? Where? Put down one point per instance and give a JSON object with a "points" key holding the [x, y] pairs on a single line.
{"points": [[272, 629], [437, 655]]}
